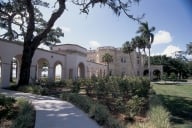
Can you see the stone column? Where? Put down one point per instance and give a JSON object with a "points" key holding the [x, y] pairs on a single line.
{"points": [[5, 72], [32, 74], [51, 75]]}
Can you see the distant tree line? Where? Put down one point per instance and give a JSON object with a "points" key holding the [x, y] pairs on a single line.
{"points": [[180, 67]]}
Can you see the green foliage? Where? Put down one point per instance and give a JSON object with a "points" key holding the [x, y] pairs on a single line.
{"points": [[82, 102], [6, 105], [25, 118], [76, 86], [178, 101], [113, 123], [35, 89], [69, 83], [164, 76], [173, 76], [95, 110], [107, 58], [132, 86], [159, 117], [177, 65], [14, 11], [134, 106], [6, 102], [99, 113]]}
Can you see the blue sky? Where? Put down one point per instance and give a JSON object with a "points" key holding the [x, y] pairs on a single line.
{"points": [[171, 18]]}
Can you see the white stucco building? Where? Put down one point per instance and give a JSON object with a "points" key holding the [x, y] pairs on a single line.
{"points": [[67, 61]]}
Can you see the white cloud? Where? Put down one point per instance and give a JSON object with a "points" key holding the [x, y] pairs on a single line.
{"points": [[66, 29], [94, 44], [170, 50], [162, 37]]}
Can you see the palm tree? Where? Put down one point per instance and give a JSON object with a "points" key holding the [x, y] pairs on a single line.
{"points": [[128, 47], [138, 43], [107, 58], [148, 36]]}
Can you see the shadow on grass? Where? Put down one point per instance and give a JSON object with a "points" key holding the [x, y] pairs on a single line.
{"points": [[180, 108]]}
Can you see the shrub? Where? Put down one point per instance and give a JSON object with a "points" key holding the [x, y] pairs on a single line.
{"points": [[69, 83], [134, 106], [82, 102], [100, 88], [99, 113], [173, 76], [113, 123], [131, 86], [35, 89], [89, 87], [25, 118], [95, 110], [159, 117], [76, 86], [6, 105], [6, 102], [30, 89]]}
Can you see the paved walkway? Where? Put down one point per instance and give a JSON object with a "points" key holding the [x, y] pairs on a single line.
{"points": [[54, 113]]}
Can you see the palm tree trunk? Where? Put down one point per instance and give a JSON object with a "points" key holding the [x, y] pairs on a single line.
{"points": [[139, 62], [149, 64], [107, 69]]}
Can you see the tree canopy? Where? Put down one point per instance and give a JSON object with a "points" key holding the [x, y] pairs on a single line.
{"points": [[177, 66], [14, 21]]}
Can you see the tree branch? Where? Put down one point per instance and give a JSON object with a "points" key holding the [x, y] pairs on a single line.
{"points": [[50, 23], [31, 25]]}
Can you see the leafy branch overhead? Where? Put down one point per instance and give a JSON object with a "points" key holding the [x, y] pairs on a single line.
{"points": [[15, 18], [117, 6]]}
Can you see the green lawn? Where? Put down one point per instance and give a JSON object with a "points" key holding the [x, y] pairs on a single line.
{"points": [[178, 100]]}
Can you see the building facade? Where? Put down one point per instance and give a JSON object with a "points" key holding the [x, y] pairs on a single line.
{"points": [[68, 61], [122, 65]]}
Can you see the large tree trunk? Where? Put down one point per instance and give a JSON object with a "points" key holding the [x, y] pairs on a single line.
{"points": [[27, 56]]}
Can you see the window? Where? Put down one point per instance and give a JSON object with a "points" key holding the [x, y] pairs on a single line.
{"points": [[123, 60]]}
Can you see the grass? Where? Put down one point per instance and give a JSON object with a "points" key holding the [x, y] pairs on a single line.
{"points": [[178, 100]]}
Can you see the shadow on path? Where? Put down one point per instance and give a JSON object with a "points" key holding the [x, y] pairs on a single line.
{"points": [[54, 113]]}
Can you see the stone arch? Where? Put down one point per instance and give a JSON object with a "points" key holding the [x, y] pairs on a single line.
{"points": [[58, 70], [42, 68], [146, 72], [156, 74], [81, 70]]}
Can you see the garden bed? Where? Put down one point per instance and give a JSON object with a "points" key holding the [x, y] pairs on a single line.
{"points": [[16, 113]]}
